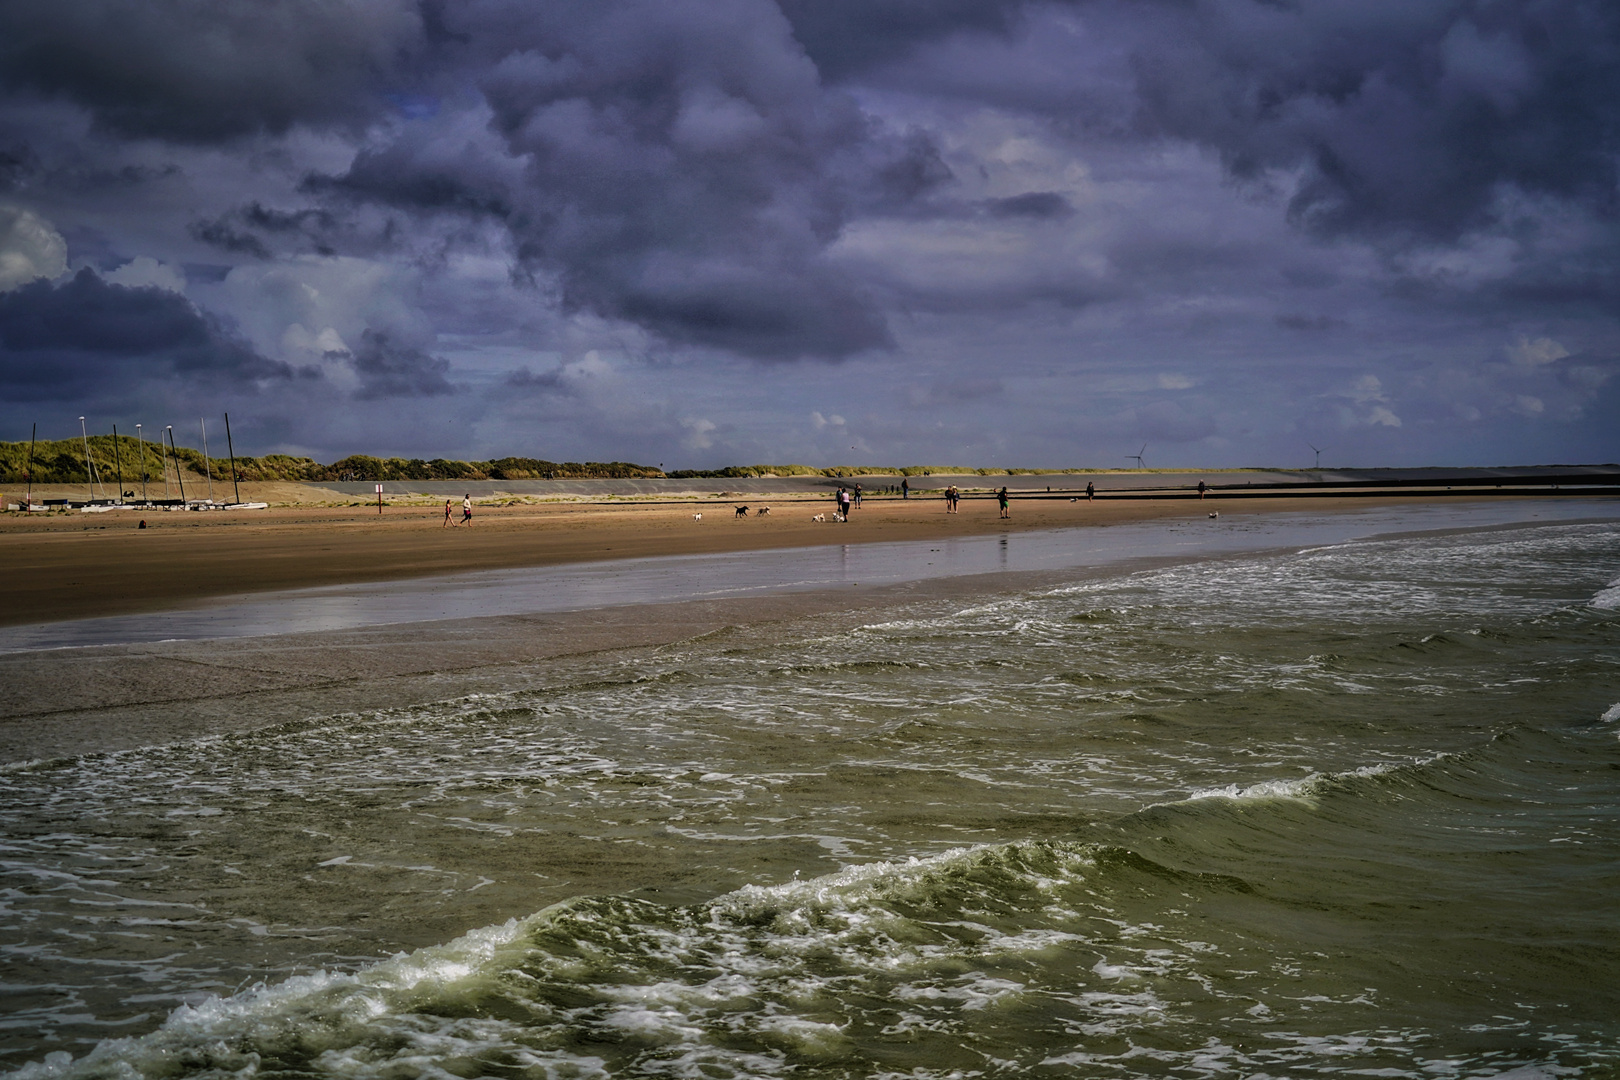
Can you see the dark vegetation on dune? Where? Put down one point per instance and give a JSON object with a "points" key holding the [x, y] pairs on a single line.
{"points": [[61, 461]]}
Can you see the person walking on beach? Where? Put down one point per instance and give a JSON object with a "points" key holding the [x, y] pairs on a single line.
{"points": [[905, 487], [466, 510], [446, 513], [1006, 510], [1200, 489], [843, 504], [1091, 491], [857, 496]]}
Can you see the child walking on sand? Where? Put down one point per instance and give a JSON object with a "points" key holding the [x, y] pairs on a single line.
{"points": [[446, 513], [1001, 497]]}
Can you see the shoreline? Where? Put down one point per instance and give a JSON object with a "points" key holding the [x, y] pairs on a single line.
{"points": [[64, 702], [64, 567]]}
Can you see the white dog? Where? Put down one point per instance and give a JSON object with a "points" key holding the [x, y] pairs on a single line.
{"points": [[819, 517], [697, 517]]}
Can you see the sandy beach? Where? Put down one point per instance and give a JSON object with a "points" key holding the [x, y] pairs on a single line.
{"points": [[73, 565]]}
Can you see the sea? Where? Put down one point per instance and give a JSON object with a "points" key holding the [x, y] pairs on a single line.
{"points": [[1342, 809]]}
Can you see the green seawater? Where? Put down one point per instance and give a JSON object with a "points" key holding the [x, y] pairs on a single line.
{"points": [[1350, 811]]}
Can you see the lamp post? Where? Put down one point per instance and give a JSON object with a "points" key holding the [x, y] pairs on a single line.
{"points": [[163, 454]]}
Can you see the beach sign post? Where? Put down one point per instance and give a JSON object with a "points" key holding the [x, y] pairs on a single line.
{"points": [[379, 498]]}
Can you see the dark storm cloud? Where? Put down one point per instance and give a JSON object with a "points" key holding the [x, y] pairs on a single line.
{"points": [[59, 342], [679, 165], [18, 163], [1396, 118], [220, 233], [243, 231], [389, 367], [1404, 117], [1034, 204], [181, 70], [844, 37]]}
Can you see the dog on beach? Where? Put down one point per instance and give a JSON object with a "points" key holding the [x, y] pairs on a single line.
{"points": [[819, 517], [840, 517], [762, 511], [1214, 513], [742, 511], [697, 517]]}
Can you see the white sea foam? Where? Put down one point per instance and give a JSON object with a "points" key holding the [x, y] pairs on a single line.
{"points": [[1266, 789], [1608, 599], [1303, 788], [1611, 714]]}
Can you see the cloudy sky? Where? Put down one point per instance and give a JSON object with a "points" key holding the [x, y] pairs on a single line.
{"points": [[823, 231]]}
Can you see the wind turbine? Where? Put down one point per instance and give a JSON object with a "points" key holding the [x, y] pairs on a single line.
{"points": [[1137, 457], [1318, 456]]}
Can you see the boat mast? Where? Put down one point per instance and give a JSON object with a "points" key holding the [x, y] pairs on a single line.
{"points": [[163, 456], [208, 468], [89, 466], [174, 452], [29, 472], [140, 442], [235, 483], [118, 463]]}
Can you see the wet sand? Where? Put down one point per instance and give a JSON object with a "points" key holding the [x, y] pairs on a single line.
{"points": [[68, 701], [64, 702], [75, 566]]}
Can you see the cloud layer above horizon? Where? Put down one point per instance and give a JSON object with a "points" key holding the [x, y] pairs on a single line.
{"points": [[987, 233]]}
